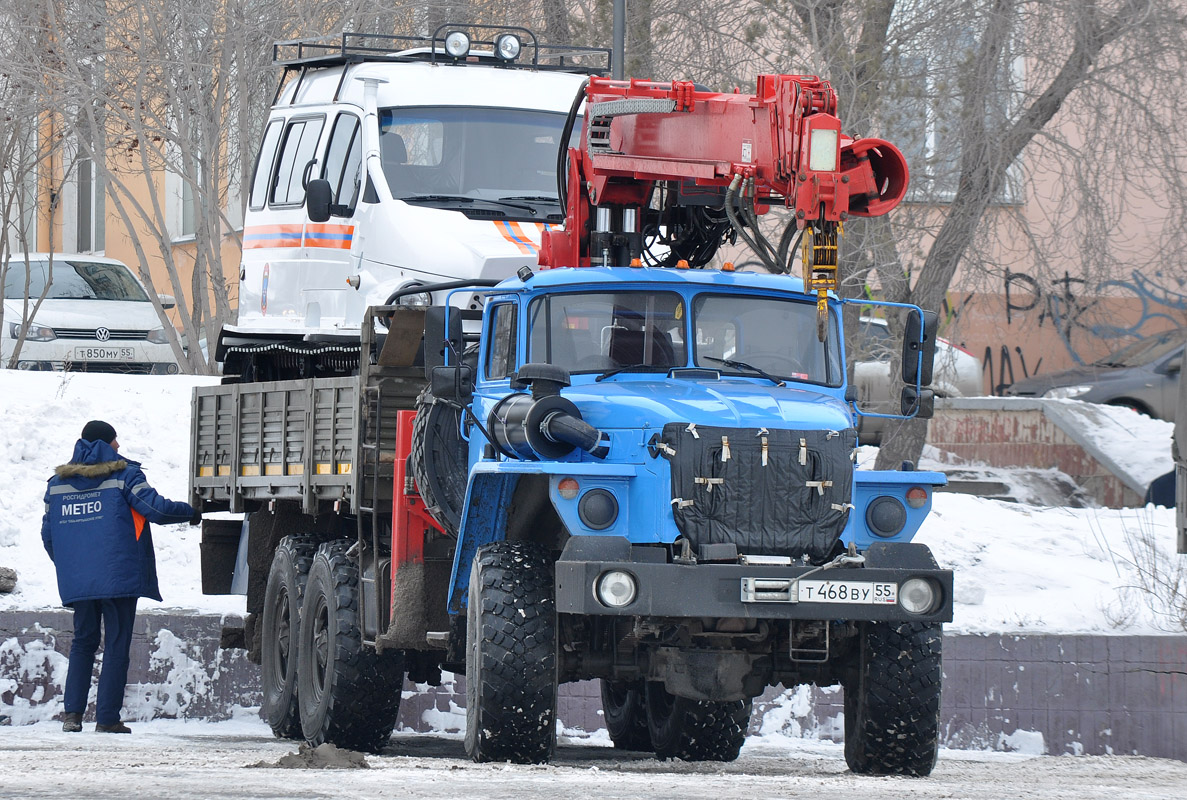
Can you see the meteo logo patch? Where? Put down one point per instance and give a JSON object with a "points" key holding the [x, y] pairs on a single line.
{"points": [[82, 509]]}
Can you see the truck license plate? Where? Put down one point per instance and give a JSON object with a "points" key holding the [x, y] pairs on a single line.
{"points": [[847, 592], [103, 354]]}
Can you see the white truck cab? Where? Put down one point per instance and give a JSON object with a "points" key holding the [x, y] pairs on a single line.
{"points": [[440, 156]]}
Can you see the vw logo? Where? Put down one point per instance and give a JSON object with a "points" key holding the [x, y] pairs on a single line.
{"points": [[102, 334]]}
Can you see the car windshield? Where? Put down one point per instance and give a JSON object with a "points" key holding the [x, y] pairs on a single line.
{"points": [[743, 335], [606, 331], [1143, 351], [72, 280], [496, 157]]}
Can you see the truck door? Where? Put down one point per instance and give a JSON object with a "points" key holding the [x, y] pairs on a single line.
{"points": [[274, 251]]}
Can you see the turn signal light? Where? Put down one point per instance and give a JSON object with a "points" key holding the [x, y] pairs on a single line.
{"points": [[916, 497]]}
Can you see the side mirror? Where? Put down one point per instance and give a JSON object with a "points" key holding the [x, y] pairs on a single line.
{"points": [[919, 347], [168, 301], [920, 404], [436, 336], [318, 197], [455, 382], [1174, 366]]}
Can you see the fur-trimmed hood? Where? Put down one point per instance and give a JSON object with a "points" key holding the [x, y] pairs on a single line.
{"points": [[98, 470], [92, 459]]}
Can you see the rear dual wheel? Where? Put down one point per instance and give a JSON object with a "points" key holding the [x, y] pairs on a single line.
{"points": [[695, 730], [349, 694], [283, 596]]}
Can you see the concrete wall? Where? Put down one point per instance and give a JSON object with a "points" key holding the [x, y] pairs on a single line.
{"points": [[1080, 694], [1040, 434]]}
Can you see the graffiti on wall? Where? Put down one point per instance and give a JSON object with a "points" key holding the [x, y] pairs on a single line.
{"points": [[1079, 311]]}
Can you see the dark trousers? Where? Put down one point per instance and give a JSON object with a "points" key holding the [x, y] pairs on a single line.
{"points": [[116, 617]]}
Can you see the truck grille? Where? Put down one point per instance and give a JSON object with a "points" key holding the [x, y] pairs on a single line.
{"points": [[779, 492], [89, 333]]}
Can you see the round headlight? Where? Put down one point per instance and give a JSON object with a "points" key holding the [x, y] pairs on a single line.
{"points": [[886, 516], [917, 595], [617, 589], [457, 44], [598, 509], [507, 46], [422, 300]]}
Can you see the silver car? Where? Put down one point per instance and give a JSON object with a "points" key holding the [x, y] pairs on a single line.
{"points": [[96, 317], [957, 373], [1143, 376]]}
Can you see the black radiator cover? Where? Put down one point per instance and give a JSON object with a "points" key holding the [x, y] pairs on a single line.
{"points": [[764, 510]]}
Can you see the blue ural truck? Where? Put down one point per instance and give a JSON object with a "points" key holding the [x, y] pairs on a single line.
{"points": [[640, 474]]}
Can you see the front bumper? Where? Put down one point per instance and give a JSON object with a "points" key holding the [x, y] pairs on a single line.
{"points": [[727, 590]]}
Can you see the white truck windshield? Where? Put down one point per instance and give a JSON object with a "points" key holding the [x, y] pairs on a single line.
{"points": [[497, 160]]}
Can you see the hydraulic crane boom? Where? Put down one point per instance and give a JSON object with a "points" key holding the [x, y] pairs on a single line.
{"points": [[669, 164]]}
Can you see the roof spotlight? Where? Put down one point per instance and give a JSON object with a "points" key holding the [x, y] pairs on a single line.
{"points": [[507, 46], [457, 44]]}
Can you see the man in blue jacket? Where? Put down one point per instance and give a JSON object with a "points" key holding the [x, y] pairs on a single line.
{"points": [[96, 531]]}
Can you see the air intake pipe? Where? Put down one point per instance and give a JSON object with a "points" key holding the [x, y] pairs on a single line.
{"points": [[542, 425]]}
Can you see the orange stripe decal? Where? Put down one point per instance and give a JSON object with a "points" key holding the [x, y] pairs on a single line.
{"points": [[515, 236]]}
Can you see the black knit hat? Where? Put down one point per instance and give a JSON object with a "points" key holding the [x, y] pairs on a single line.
{"points": [[98, 431]]}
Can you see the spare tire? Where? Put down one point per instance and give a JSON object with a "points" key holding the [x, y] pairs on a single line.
{"points": [[440, 456]]}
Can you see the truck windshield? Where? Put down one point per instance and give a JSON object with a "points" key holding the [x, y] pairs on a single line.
{"points": [[493, 159], [72, 280], [740, 335], [603, 331]]}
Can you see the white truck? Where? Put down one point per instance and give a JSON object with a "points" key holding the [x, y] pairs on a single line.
{"points": [[388, 162]]}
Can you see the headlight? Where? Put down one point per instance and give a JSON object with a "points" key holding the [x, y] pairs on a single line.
{"points": [[917, 595], [1067, 392], [598, 509], [886, 516], [422, 300], [457, 44], [37, 333], [507, 46], [616, 589], [157, 336]]}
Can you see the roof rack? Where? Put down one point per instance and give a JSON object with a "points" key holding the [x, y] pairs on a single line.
{"points": [[354, 48]]}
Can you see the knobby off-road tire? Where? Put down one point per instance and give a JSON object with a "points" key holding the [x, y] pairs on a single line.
{"points": [[625, 714], [280, 633], [892, 707], [695, 730], [349, 695], [511, 659]]}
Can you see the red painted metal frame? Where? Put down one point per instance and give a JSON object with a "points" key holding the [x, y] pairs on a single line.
{"points": [[411, 521], [711, 137]]}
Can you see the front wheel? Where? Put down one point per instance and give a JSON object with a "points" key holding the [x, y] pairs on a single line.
{"points": [[892, 706], [695, 730], [511, 654], [349, 694]]}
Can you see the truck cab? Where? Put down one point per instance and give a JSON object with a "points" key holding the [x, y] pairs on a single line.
{"points": [[428, 159]]}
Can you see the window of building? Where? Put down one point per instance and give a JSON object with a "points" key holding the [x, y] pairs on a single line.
{"points": [[90, 209]]}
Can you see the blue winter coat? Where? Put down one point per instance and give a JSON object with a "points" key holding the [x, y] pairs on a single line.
{"points": [[99, 547]]}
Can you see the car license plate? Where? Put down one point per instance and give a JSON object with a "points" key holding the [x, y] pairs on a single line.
{"points": [[103, 353], [882, 593]]}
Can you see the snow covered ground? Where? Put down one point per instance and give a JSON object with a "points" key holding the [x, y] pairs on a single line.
{"points": [[1018, 568], [238, 760]]}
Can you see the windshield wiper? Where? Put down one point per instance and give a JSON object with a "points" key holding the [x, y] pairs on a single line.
{"points": [[729, 362], [629, 368], [461, 198], [535, 198]]}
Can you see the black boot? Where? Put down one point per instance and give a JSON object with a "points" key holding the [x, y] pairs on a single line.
{"points": [[72, 722], [118, 727]]}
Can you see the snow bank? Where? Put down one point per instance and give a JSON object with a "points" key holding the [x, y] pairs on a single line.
{"points": [[1018, 568]]}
